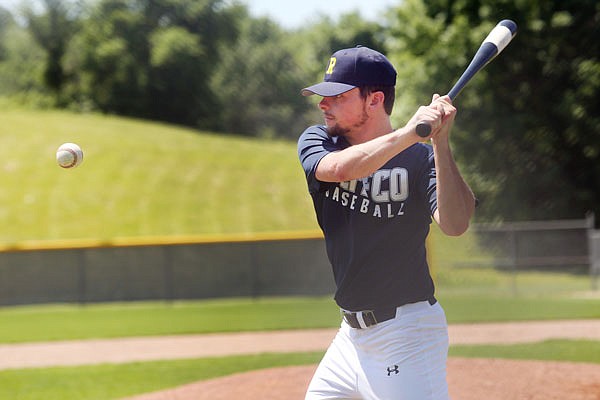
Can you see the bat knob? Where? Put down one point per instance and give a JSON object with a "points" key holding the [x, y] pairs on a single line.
{"points": [[423, 129]]}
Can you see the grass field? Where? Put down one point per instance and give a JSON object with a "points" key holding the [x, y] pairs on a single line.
{"points": [[113, 381], [104, 382], [63, 322], [550, 350], [142, 179]]}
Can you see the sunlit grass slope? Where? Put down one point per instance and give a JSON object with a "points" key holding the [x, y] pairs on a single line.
{"points": [[142, 179]]}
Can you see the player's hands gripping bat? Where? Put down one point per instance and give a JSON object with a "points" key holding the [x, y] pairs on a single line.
{"points": [[493, 44]]}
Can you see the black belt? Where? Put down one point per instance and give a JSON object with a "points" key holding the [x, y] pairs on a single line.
{"points": [[365, 319]]}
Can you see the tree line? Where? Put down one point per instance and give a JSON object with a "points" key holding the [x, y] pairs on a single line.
{"points": [[527, 135]]}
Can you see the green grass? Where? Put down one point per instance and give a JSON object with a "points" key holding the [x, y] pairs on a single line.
{"points": [[115, 381], [142, 179], [66, 322], [493, 308], [550, 350]]}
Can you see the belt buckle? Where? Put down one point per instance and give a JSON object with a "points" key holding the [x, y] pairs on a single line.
{"points": [[360, 319], [369, 318]]}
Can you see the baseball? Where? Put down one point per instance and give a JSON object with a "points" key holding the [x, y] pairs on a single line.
{"points": [[69, 155]]}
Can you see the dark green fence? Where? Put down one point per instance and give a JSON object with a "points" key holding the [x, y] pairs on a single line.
{"points": [[191, 268]]}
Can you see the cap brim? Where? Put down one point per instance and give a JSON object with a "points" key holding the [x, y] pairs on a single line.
{"points": [[327, 89]]}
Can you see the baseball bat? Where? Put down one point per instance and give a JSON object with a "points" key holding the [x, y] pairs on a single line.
{"points": [[493, 44]]}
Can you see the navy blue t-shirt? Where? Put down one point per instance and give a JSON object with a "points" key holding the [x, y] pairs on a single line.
{"points": [[375, 227]]}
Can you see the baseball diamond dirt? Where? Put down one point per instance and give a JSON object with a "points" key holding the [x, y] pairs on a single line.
{"points": [[469, 379]]}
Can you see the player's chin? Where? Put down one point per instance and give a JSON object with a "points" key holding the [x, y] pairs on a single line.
{"points": [[329, 121], [336, 130], [331, 126]]}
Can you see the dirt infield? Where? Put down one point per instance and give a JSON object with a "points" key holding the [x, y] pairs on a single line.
{"points": [[123, 350], [468, 379]]}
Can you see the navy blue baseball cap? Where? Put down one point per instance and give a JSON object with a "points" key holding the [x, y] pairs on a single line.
{"points": [[354, 67]]}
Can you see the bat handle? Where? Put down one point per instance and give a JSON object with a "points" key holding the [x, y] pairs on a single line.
{"points": [[423, 129]]}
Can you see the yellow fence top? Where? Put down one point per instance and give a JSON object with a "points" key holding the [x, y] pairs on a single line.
{"points": [[31, 245]]}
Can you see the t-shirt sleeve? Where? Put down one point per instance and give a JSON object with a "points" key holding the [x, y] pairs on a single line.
{"points": [[313, 145], [429, 180]]}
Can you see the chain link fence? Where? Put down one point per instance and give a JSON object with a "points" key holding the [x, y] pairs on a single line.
{"points": [[565, 246]]}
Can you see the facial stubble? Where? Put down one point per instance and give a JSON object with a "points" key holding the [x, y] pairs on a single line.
{"points": [[338, 130]]}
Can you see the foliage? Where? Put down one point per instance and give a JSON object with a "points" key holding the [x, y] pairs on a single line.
{"points": [[528, 132], [6, 22], [52, 30], [108, 60], [259, 82], [21, 65], [151, 59], [175, 57]]}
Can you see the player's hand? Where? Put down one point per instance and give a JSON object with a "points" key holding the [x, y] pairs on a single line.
{"points": [[431, 115], [448, 113], [443, 104]]}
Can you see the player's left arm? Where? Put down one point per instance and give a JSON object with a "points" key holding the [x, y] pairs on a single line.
{"points": [[455, 199]]}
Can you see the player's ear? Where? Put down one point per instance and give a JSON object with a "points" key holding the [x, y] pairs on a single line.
{"points": [[377, 98]]}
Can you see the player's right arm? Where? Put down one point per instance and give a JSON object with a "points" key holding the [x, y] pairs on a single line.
{"points": [[360, 160], [363, 159]]}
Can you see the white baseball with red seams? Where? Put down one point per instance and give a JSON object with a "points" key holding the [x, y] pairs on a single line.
{"points": [[69, 155]]}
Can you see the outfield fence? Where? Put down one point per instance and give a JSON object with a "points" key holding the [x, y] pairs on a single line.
{"points": [[164, 269], [537, 244], [561, 245], [256, 265], [594, 245]]}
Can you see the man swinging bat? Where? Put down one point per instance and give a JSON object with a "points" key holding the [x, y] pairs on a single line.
{"points": [[375, 190]]}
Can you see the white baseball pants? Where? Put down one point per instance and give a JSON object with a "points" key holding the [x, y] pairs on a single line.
{"points": [[400, 359]]}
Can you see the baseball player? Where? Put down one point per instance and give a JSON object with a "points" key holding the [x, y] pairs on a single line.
{"points": [[375, 190]]}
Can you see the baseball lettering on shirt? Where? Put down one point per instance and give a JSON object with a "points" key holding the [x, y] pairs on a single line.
{"points": [[380, 195]]}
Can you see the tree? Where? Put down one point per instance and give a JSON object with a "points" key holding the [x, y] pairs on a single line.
{"points": [[152, 58], [528, 129], [187, 43], [6, 22], [258, 84], [52, 30], [21, 61], [108, 60], [175, 60]]}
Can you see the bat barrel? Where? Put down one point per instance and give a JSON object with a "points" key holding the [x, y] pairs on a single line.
{"points": [[493, 44], [510, 25], [484, 55]]}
